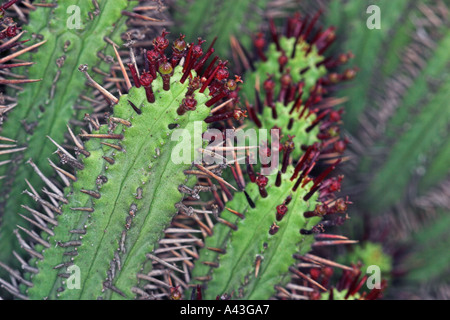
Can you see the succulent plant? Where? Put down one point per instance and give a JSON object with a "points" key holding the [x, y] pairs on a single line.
{"points": [[125, 189], [270, 224], [299, 78], [137, 225], [39, 115], [254, 247]]}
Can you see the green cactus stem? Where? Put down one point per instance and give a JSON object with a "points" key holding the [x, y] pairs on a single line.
{"points": [[125, 191]]}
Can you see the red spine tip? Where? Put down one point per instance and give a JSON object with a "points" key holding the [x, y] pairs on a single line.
{"points": [[134, 74], [282, 209]]}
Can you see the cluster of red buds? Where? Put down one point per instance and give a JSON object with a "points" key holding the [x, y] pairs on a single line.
{"points": [[9, 32], [327, 120], [303, 30], [202, 75]]}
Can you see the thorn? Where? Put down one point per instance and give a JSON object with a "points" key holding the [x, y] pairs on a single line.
{"points": [[16, 275], [62, 149], [38, 225], [50, 184], [211, 264], [172, 241], [47, 210], [40, 215], [309, 257], [217, 98], [134, 74], [206, 278], [66, 160], [252, 114], [240, 215], [11, 41], [25, 265], [283, 291], [76, 231], [63, 265], [262, 181], [65, 173], [188, 60], [324, 174], [215, 176], [12, 290], [43, 202], [257, 265], [75, 140], [114, 146], [93, 122], [18, 53], [278, 180], [175, 230], [330, 236], [210, 79], [243, 57], [227, 223], [11, 151], [333, 243], [249, 200], [75, 243], [122, 68], [121, 121], [273, 32], [218, 250], [308, 279], [91, 193], [19, 81], [109, 160], [221, 106], [7, 139], [140, 16], [34, 236], [55, 196], [155, 258], [32, 252], [136, 109], [210, 67], [102, 136], [312, 23], [106, 93], [108, 285]]}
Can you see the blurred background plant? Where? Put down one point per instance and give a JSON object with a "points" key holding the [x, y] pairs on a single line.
{"points": [[397, 115]]}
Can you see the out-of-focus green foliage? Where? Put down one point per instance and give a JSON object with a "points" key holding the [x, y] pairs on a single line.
{"points": [[404, 83], [429, 258], [399, 113]]}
